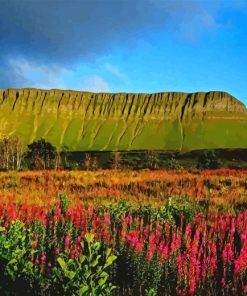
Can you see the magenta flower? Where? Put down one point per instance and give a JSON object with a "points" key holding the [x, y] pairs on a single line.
{"points": [[67, 241], [57, 250]]}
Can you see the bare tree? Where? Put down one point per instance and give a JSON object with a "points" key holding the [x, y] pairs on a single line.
{"points": [[90, 162], [19, 151], [87, 161], [116, 160], [152, 159], [12, 151], [4, 153], [58, 163], [94, 163]]}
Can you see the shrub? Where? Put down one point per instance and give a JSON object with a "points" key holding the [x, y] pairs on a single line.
{"points": [[41, 154], [87, 274], [209, 160]]}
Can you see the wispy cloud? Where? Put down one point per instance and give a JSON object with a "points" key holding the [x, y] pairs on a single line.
{"points": [[114, 70], [25, 73], [95, 83]]}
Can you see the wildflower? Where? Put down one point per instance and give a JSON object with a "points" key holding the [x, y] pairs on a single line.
{"points": [[107, 218], [150, 253], [128, 219], [67, 241], [139, 246], [57, 250], [43, 257]]}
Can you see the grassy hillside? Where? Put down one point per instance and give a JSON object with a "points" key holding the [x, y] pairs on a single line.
{"points": [[104, 121]]}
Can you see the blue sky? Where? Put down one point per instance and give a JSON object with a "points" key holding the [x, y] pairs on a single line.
{"points": [[125, 45]]}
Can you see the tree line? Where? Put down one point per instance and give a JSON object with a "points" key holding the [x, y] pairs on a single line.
{"points": [[41, 155]]}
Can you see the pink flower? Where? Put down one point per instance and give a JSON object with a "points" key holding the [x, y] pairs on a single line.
{"points": [[245, 289], [223, 282], [90, 211], [57, 250], [192, 286], [128, 219], [107, 218], [150, 254], [67, 241], [139, 246], [43, 257]]}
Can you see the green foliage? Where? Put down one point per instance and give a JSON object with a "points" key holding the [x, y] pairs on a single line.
{"points": [[64, 201], [84, 275], [143, 275], [173, 163], [208, 160], [87, 275], [174, 209], [41, 154], [121, 208], [150, 292], [15, 250]]}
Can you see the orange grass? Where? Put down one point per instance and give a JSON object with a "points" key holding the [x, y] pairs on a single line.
{"points": [[221, 188]]}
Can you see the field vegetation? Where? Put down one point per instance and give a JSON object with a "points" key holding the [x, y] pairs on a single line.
{"points": [[123, 232]]}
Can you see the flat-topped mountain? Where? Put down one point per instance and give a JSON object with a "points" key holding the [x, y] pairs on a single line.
{"points": [[124, 121]]}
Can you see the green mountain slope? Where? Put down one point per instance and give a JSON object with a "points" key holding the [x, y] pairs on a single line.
{"points": [[124, 121]]}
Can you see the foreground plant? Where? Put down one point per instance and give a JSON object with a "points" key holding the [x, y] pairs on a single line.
{"points": [[172, 250], [87, 274], [22, 268]]}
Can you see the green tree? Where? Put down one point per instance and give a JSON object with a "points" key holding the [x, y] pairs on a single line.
{"points": [[209, 160], [41, 154], [173, 163]]}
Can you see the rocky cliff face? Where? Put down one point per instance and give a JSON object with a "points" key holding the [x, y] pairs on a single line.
{"points": [[124, 121]]}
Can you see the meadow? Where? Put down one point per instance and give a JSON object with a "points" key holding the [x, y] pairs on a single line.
{"points": [[123, 232]]}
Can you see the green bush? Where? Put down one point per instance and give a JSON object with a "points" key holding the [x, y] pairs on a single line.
{"points": [[86, 275], [209, 160]]}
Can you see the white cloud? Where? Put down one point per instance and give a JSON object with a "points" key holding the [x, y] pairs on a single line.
{"points": [[26, 73], [115, 71], [95, 83]]}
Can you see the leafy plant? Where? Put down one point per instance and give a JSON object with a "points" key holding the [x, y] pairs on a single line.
{"points": [[64, 201], [87, 274], [15, 250], [209, 160], [173, 164], [42, 154]]}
